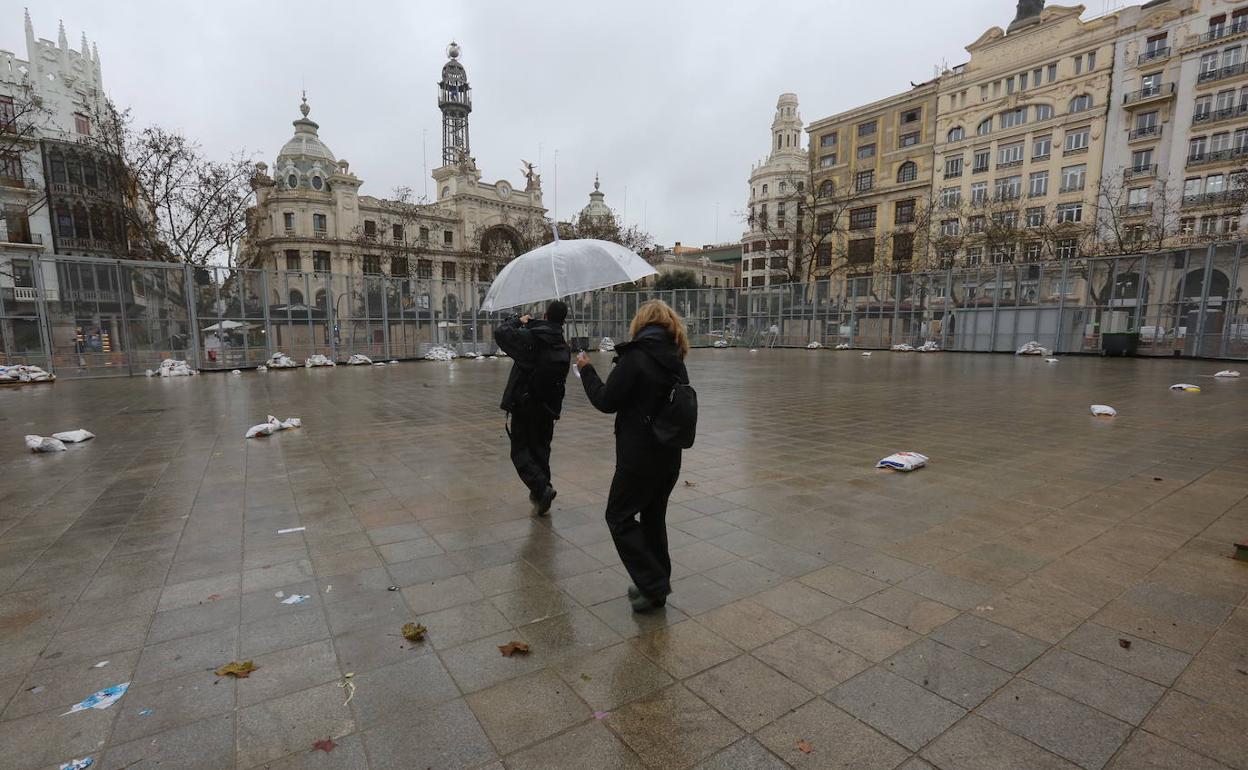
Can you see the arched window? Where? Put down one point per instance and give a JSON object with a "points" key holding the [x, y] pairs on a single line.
{"points": [[1081, 102], [783, 186], [985, 127], [908, 172], [827, 189], [296, 297], [956, 134], [321, 299]]}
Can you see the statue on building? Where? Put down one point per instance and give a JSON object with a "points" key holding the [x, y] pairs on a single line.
{"points": [[533, 180], [1028, 13]]}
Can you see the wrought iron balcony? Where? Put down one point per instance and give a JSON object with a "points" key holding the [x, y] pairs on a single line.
{"points": [[1144, 132], [32, 239], [1221, 73], [1136, 209], [1223, 197], [1217, 116], [1216, 156], [19, 182], [1134, 172], [1149, 93], [1161, 52], [1221, 31]]}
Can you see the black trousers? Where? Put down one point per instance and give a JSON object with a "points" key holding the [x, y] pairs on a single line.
{"points": [[637, 518], [531, 434]]}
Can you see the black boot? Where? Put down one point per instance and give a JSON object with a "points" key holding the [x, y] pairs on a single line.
{"points": [[541, 504], [643, 604]]}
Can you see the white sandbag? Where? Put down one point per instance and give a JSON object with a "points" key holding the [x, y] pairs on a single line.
{"points": [[272, 425], [43, 444], [394, 362], [359, 359], [280, 360], [814, 345], [720, 344], [1032, 348], [903, 348], [316, 359], [263, 429], [1050, 360], [928, 347], [262, 368], [150, 373], [379, 363], [753, 350], [24, 373], [74, 436], [440, 353], [606, 345], [1185, 387], [844, 346], [866, 354], [903, 461], [175, 367], [1100, 410], [237, 373], [1227, 373]]}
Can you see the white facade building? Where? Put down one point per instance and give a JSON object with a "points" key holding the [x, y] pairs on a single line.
{"points": [[776, 184]]}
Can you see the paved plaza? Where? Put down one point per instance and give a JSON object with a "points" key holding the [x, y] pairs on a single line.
{"points": [[1053, 591]]}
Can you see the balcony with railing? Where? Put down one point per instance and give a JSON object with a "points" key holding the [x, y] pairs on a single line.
{"points": [[1221, 73], [1154, 54], [1148, 94], [21, 238], [1136, 172], [1220, 198], [1136, 209], [1217, 156], [17, 182], [1218, 32], [85, 244], [1217, 116], [1144, 132]]}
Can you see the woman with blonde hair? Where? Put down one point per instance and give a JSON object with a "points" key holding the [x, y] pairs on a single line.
{"points": [[648, 371]]}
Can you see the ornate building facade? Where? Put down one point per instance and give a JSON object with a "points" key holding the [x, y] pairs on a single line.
{"points": [[310, 215], [775, 209]]}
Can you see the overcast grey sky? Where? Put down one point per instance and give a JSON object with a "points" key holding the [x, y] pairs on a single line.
{"points": [[671, 100]]}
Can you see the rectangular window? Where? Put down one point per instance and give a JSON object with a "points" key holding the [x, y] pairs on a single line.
{"points": [[396, 233], [950, 197], [8, 113], [974, 256], [903, 247], [10, 165], [759, 263], [903, 212], [1079, 64], [1034, 250], [979, 193], [976, 224], [823, 255], [1005, 220], [1009, 85], [449, 271], [828, 160], [950, 227], [1067, 248], [1137, 196], [370, 229], [424, 269], [983, 93], [982, 159], [908, 140], [1091, 60], [1196, 147], [862, 251], [1014, 118], [1002, 252], [1215, 183], [372, 264], [1069, 212], [82, 125], [828, 140], [1035, 216], [1022, 81], [321, 261], [1077, 139], [862, 219], [1008, 188], [1141, 159], [1220, 141], [1041, 147], [1037, 75], [288, 219], [1052, 72], [779, 263], [1038, 184], [424, 235], [911, 116], [953, 167], [1202, 108], [1073, 177], [1192, 186], [823, 225], [866, 151], [866, 129], [864, 180], [398, 267], [1044, 112], [318, 223], [293, 260], [1208, 65], [1010, 154], [448, 238]]}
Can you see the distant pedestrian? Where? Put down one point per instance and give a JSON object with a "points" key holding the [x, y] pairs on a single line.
{"points": [[534, 395], [655, 415]]}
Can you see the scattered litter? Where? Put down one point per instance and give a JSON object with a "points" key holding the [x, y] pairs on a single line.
{"points": [[35, 690], [691, 483], [814, 345], [347, 684], [586, 678], [100, 700], [513, 647], [237, 670], [1100, 410], [903, 461], [440, 353], [394, 362], [214, 597], [984, 608], [280, 594], [720, 344], [601, 714], [173, 367], [903, 348], [44, 444], [1050, 360], [392, 588], [316, 359], [753, 350], [929, 347], [1156, 478], [77, 764], [326, 745], [1185, 387], [237, 372], [291, 529], [414, 633], [101, 664], [379, 363], [844, 346], [328, 588], [606, 345], [1227, 373], [280, 360], [359, 359], [296, 599], [262, 368], [866, 354], [74, 436], [1032, 348], [272, 425], [145, 713], [804, 746], [1124, 644], [24, 373]]}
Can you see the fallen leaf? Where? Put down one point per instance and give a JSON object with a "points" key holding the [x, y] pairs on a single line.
{"points": [[237, 670], [413, 632], [804, 746], [586, 677], [327, 745], [1124, 644], [511, 648], [214, 597]]}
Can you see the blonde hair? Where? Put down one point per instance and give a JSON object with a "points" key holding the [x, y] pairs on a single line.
{"points": [[656, 312]]}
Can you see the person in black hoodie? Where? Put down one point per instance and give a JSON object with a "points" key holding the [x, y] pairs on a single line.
{"points": [[534, 395], [645, 470]]}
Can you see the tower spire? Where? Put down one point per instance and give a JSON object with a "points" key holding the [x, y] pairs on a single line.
{"points": [[455, 102], [61, 40]]}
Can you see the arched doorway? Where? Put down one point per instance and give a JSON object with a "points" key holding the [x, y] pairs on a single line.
{"points": [[501, 242]]}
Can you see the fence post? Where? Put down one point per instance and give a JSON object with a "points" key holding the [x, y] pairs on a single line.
{"points": [[996, 309], [1061, 308], [268, 320], [1140, 289], [192, 312], [1231, 305], [41, 314], [1204, 302]]}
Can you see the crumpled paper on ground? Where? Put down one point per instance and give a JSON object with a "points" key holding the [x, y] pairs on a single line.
{"points": [[44, 444], [903, 461], [74, 436], [272, 425], [316, 359], [606, 345], [78, 764], [100, 700], [359, 359]]}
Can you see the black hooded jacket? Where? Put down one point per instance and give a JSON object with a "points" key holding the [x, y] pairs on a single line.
{"points": [[541, 359], [645, 370]]}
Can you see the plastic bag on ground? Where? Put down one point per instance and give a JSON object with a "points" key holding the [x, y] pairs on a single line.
{"points": [[1032, 348], [928, 347], [44, 444], [1186, 387], [316, 359], [903, 461], [606, 345], [24, 373], [359, 359], [440, 353], [74, 436], [903, 348], [1226, 373], [272, 425], [1101, 410], [280, 360], [814, 345]]}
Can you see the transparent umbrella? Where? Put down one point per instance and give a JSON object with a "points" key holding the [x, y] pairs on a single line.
{"points": [[562, 268]]}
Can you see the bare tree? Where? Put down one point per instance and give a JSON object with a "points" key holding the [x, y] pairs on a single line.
{"points": [[1124, 226], [22, 122]]}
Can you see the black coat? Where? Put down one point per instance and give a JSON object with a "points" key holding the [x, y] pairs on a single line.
{"points": [[645, 370], [540, 362]]}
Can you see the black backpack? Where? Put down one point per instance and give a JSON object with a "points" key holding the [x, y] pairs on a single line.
{"points": [[675, 424]]}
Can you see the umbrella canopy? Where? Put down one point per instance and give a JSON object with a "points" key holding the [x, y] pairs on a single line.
{"points": [[226, 326], [562, 268]]}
